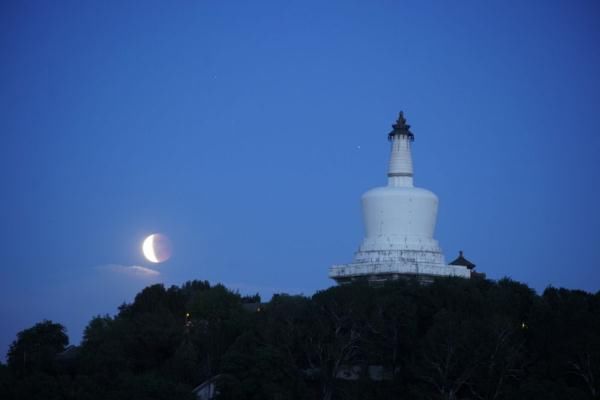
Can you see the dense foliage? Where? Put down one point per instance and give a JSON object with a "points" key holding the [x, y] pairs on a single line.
{"points": [[453, 339]]}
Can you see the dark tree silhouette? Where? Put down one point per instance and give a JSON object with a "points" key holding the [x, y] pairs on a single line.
{"points": [[35, 348], [451, 339]]}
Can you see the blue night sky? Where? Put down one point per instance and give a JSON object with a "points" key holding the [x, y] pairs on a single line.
{"points": [[246, 131]]}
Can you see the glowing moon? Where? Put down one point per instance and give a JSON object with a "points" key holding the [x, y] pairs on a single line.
{"points": [[156, 248]]}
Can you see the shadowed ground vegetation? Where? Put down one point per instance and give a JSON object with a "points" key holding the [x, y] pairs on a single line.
{"points": [[453, 339]]}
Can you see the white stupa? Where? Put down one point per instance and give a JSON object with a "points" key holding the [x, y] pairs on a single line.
{"points": [[399, 225]]}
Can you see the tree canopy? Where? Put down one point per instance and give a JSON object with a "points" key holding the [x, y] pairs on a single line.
{"points": [[451, 339]]}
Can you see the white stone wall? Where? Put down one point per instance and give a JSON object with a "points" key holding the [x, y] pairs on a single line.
{"points": [[408, 268], [399, 214]]}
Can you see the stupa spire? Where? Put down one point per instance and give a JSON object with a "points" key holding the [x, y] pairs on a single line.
{"points": [[401, 128], [400, 169]]}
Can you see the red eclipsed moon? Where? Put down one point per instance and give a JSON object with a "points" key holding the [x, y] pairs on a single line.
{"points": [[156, 248]]}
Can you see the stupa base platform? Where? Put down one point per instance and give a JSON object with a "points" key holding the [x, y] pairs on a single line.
{"points": [[380, 272]]}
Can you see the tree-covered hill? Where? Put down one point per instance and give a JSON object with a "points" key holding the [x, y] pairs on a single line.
{"points": [[452, 339]]}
